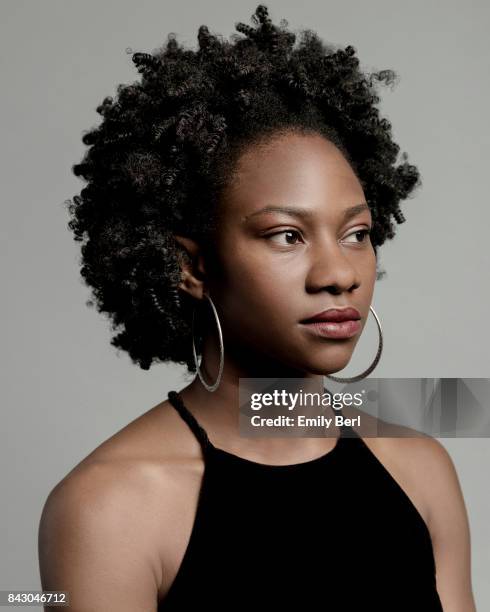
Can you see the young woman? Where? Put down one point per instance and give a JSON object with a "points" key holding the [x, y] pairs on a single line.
{"points": [[234, 193]]}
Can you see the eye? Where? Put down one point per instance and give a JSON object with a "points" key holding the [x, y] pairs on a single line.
{"points": [[288, 232], [363, 233]]}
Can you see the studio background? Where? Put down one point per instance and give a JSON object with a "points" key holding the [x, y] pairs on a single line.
{"points": [[65, 389]]}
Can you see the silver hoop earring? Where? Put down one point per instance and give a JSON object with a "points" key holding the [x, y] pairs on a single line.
{"points": [[375, 362], [214, 386]]}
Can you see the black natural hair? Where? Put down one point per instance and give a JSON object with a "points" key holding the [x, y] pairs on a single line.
{"points": [[167, 146]]}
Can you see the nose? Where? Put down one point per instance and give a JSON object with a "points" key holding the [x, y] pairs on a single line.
{"points": [[332, 269]]}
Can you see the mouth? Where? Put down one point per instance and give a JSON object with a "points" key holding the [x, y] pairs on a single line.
{"points": [[336, 315], [337, 323], [333, 329]]}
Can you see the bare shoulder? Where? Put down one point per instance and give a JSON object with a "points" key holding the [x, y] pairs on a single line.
{"points": [[95, 539], [419, 463], [105, 527], [426, 459], [425, 464], [426, 471]]}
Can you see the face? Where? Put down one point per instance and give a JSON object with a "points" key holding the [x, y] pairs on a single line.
{"points": [[290, 245]]}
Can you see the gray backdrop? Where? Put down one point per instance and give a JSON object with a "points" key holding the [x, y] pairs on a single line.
{"points": [[65, 389]]}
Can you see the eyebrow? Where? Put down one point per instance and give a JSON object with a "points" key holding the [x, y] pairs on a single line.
{"points": [[306, 213]]}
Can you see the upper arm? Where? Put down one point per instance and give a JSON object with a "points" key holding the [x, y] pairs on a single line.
{"points": [[449, 527], [92, 544]]}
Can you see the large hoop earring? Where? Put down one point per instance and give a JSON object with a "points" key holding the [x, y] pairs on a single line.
{"points": [[375, 362], [214, 386]]}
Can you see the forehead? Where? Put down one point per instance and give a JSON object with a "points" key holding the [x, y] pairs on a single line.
{"points": [[292, 168]]}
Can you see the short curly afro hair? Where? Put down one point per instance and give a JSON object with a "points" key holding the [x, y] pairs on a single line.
{"points": [[166, 148]]}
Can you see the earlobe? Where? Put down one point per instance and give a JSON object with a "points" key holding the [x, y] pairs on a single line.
{"points": [[192, 264]]}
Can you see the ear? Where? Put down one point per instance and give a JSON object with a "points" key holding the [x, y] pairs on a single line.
{"points": [[193, 269]]}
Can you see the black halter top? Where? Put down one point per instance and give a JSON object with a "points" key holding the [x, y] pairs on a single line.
{"points": [[335, 534]]}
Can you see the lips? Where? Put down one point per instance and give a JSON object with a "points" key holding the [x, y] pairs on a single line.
{"points": [[334, 315]]}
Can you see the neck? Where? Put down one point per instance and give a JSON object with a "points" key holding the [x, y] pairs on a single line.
{"points": [[218, 411]]}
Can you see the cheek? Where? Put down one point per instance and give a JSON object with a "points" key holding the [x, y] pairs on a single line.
{"points": [[368, 273], [257, 291], [257, 299]]}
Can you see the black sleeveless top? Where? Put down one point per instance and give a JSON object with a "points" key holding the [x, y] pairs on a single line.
{"points": [[335, 534]]}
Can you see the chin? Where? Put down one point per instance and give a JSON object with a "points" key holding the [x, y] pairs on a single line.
{"points": [[326, 364]]}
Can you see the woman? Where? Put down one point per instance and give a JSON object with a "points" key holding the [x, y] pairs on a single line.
{"points": [[232, 194]]}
